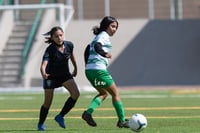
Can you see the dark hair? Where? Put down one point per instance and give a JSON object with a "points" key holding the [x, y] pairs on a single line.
{"points": [[50, 33], [105, 22]]}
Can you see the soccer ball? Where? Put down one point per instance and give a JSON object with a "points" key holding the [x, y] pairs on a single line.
{"points": [[137, 122]]}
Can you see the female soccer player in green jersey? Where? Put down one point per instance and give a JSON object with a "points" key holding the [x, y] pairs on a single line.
{"points": [[96, 55]]}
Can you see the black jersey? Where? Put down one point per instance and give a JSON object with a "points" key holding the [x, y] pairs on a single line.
{"points": [[58, 61]]}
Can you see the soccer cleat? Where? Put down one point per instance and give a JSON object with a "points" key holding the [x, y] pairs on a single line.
{"points": [[41, 127], [88, 118], [122, 124], [60, 120]]}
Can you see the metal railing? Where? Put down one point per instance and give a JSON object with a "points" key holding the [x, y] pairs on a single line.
{"points": [[175, 8], [63, 22]]}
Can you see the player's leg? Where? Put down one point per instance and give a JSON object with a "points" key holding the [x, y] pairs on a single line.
{"points": [[118, 105], [87, 115], [71, 86], [97, 100], [48, 97]]}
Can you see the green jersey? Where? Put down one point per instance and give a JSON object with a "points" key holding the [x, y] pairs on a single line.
{"points": [[95, 60]]}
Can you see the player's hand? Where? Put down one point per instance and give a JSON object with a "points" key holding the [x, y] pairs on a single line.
{"points": [[45, 75], [108, 55], [74, 73]]}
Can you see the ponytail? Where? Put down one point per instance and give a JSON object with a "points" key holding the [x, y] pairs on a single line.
{"points": [[96, 30], [50, 33]]}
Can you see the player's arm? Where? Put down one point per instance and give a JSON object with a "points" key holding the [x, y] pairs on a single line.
{"points": [[99, 50], [73, 60], [45, 60], [87, 53], [43, 69]]}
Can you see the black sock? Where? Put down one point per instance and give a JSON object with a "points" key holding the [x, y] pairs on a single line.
{"points": [[69, 104], [43, 114]]}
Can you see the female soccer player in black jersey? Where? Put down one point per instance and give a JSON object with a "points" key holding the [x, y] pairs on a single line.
{"points": [[55, 73]]}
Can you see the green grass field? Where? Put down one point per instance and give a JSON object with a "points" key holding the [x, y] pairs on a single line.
{"points": [[167, 111]]}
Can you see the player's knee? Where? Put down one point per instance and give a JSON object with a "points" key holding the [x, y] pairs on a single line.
{"points": [[75, 95], [116, 98], [103, 96]]}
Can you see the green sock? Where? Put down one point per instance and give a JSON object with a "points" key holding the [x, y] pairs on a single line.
{"points": [[93, 105], [119, 110]]}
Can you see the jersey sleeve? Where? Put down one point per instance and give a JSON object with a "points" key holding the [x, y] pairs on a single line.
{"points": [[86, 53], [46, 55], [101, 40], [70, 46], [98, 48]]}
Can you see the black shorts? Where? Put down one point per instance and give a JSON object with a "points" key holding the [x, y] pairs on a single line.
{"points": [[55, 82]]}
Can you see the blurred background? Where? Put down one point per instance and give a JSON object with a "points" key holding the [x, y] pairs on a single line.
{"points": [[157, 43]]}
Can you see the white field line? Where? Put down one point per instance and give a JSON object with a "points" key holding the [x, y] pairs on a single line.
{"points": [[16, 98], [122, 96], [154, 96]]}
